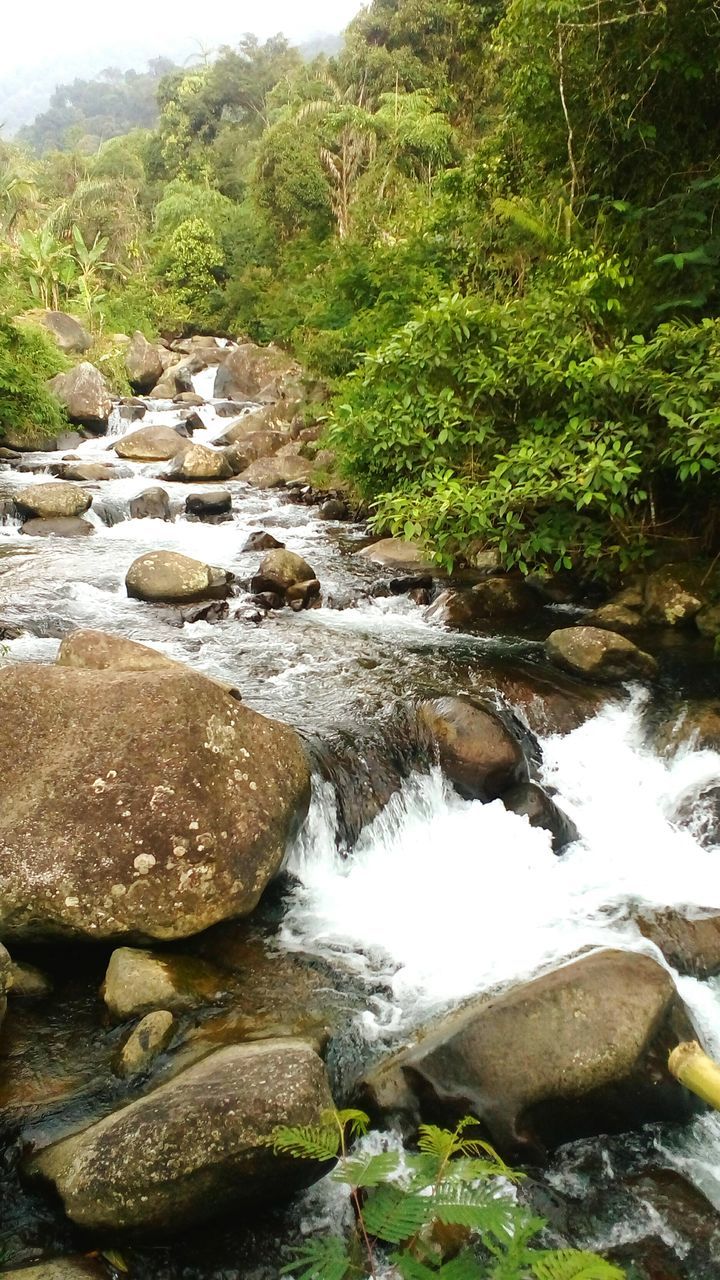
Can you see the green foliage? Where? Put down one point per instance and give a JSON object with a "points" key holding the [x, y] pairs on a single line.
{"points": [[27, 359], [399, 1201]]}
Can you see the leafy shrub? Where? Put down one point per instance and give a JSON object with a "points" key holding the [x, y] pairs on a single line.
{"points": [[27, 359], [442, 1213]]}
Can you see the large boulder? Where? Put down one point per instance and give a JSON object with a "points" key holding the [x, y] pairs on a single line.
{"points": [[5, 980], [142, 803], [272, 417], [143, 363], [397, 553], [476, 749], [199, 462], [85, 395], [150, 444], [250, 372], [579, 1051], [90, 650], [491, 600], [196, 1147], [599, 654], [68, 333], [168, 577], [274, 472], [52, 501], [151, 504], [281, 569], [675, 594]]}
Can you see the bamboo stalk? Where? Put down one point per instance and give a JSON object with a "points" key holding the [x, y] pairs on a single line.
{"points": [[696, 1071]]}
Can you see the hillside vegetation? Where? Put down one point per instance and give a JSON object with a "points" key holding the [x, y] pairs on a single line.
{"points": [[491, 229]]}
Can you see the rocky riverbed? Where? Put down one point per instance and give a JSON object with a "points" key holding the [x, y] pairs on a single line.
{"points": [[290, 817]]}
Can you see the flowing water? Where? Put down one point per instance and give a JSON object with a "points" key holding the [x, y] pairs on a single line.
{"points": [[440, 898]]}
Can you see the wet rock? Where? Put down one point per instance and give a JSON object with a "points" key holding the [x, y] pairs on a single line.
{"points": [[189, 398], [136, 982], [9, 455], [602, 655], [272, 473], [68, 333], [689, 942], [455, 609], [529, 801], [143, 363], [257, 373], [85, 395], [151, 504], [205, 506], [280, 569], [236, 459], [301, 594], [214, 611], [333, 509], [180, 810], [50, 501], [150, 1037], [199, 462], [413, 582], [476, 749], [693, 724], [262, 541], [150, 444], [193, 421], [169, 577], [268, 600], [90, 650], [578, 1051], [707, 621], [503, 597], [89, 472], [61, 1269], [615, 617], [215, 1119], [10, 631], [29, 982], [5, 980], [132, 411], [675, 594], [60, 527], [399, 554]]}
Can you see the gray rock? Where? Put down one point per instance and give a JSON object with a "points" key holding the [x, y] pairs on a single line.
{"points": [[264, 374], [169, 577], [61, 1269], [59, 527], [68, 333], [143, 363], [29, 982], [149, 1038], [262, 541], [199, 462], [529, 801], [85, 395], [281, 569], [150, 444], [675, 594], [477, 751], [600, 655], [137, 982], [273, 473], [151, 504], [205, 506], [52, 500], [204, 1143], [396, 553]]}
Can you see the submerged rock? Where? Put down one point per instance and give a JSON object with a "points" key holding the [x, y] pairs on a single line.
{"points": [[169, 577], [85, 395], [477, 751], [579, 1051], [139, 981], [529, 801], [51, 501], [204, 1143], [180, 807], [150, 444], [690, 943], [602, 655]]}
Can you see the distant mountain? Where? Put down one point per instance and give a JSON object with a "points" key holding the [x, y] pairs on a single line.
{"points": [[102, 97]]}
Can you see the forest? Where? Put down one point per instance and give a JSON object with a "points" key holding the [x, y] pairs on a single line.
{"points": [[487, 230]]}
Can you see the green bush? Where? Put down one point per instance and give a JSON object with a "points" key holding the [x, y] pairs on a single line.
{"points": [[27, 359]]}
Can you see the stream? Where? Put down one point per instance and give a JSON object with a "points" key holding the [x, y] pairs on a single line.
{"points": [[440, 898]]}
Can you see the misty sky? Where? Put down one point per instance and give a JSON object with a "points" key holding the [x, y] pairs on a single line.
{"points": [[37, 32]]}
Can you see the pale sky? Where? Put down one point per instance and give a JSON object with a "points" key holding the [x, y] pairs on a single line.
{"points": [[38, 32]]}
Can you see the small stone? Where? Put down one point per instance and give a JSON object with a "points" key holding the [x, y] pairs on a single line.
{"points": [[28, 982], [152, 1034], [262, 541], [601, 655], [139, 982]]}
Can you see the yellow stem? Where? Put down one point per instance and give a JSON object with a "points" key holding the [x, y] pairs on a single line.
{"points": [[696, 1071]]}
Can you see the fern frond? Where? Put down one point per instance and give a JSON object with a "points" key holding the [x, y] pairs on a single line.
{"points": [[356, 1122], [463, 1267], [434, 1141], [463, 1206], [394, 1215], [367, 1171], [319, 1260], [471, 1169], [574, 1264], [424, 1170], [306, 1142]]}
